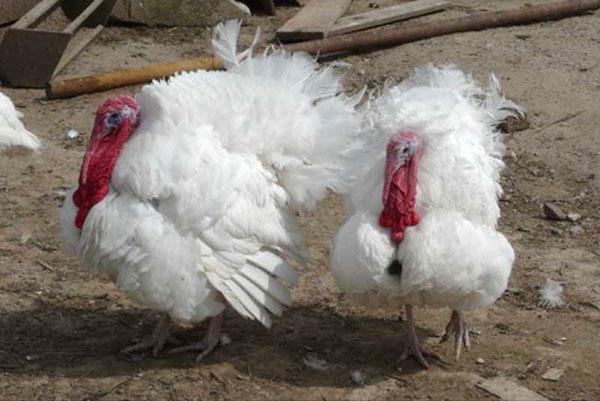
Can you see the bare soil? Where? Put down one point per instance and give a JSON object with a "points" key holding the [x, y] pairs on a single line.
{"points": [[61, 327]]}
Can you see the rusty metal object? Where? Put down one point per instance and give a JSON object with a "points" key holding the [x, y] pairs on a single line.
{"points": [[29, 57], [94, 83], [368, 40]]}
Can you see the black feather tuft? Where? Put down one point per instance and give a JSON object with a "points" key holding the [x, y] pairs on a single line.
{"points": [[395, 268]]}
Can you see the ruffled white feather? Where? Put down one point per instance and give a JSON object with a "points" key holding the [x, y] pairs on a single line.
{"points": [[13, 134]]}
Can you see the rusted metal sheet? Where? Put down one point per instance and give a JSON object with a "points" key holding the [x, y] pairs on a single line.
{"points": [[29, 57]]}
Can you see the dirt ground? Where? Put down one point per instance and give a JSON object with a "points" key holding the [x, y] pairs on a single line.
{"points": [[61, 328]]}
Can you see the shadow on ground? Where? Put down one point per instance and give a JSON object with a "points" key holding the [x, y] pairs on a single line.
{"points": [[53, 340]]}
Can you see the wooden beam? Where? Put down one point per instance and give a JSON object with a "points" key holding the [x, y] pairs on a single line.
{"points": [[36, 14], [381, 38], [386, 15], [59, 88], [76, 45], [313, 21], [85, 14]]}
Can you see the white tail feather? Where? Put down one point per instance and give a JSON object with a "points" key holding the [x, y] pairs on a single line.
{"points": [[268, 283], [231, 298], [276, 266], [259, 295], [257, 311], [224, 43]]}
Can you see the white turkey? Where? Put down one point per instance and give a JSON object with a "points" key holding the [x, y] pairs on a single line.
{"points": [[187, 193], [13, 134], [421, 227]]}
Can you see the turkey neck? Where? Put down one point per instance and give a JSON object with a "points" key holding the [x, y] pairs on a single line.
{"points": [[97, 168], [399, 199]]}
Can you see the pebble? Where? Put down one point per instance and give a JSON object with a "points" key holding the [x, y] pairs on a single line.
{"points": [[72, 134], [556, 231], [576, 230], [574, 216], [358, 378], [553, 374], [315, 363], [553, 212], [480, 361], [225, 340]]}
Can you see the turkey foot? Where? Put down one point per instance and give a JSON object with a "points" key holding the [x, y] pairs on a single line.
{"points": [[208, 343], [160, 336], [413, 346], [457, 327]]}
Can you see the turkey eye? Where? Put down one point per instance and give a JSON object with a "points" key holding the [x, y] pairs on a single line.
{"points": [[113, 120], [405, 150]]}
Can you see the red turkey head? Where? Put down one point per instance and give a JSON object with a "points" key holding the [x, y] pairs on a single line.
{"points": [[400, 184], [116, 120]]}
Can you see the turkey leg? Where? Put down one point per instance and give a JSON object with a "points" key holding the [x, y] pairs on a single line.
{"points": [[160, 336], [457, 327], [413, 346], [209, 342]]}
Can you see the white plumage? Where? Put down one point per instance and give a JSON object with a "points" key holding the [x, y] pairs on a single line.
{"points": [[201, 197], [13, 134], [454, 256]]}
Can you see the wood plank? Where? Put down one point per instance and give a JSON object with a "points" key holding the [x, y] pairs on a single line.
{"points": [[76, 45], [313, 21], [85, 14], [386, 15], [508, 390]]}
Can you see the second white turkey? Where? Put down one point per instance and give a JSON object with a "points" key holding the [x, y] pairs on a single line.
{"points": [[422, 217]]}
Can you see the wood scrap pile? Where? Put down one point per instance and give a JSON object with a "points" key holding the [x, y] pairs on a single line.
{"points": [[321, 18], [320, 28], [378, 38]]}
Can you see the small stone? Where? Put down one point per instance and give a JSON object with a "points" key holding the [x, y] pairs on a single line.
{"points": [[24, 239], [480, 361], [358, 378], [576, 230], [225, 340], [553, 212], [556, 231], [72, 134], [315, 363], [553, 374], [503, 328], [573, 216], [60, 194]]}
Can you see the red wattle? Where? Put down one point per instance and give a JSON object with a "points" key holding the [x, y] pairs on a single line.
{"points": [[104, 148], [399, 200]]}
